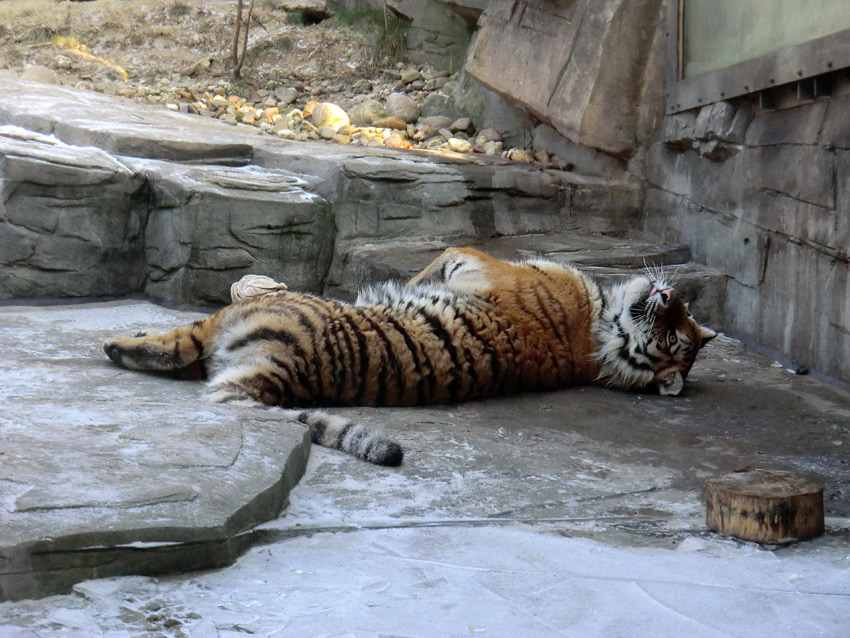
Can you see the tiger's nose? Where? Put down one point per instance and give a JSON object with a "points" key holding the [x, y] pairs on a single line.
{"points": [[665, 293]]}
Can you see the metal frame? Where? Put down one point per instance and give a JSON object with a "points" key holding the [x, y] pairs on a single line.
{"points": [[791, 64]]}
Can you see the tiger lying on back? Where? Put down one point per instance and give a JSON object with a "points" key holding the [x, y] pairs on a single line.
{"points": [[468, 326]]}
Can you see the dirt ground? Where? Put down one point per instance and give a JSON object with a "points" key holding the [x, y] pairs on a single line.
{"points": [[172, 45], [179, 54]]}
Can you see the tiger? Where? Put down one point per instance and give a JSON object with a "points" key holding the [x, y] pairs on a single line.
{"points": [[469, 326]]}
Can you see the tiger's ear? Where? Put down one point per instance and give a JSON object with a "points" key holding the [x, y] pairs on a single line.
{"points": [[705, 335]]}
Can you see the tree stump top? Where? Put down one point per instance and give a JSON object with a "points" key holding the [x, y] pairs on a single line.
{"points": [[765, 506], [765, 483]]}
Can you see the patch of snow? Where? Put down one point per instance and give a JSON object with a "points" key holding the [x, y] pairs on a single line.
{"points": [[498, 581]]}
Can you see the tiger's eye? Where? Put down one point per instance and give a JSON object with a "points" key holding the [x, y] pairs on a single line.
{"points": [[672, 339]]}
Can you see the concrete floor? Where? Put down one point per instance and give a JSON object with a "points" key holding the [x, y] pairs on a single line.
{"points": [[575, 513]]}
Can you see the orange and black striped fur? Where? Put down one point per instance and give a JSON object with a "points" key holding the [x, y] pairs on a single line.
{"points": [[468, 326]]}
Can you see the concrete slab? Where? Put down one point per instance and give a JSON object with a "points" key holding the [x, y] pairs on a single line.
{"points": [[563, 513], [103, 472], [442, 582], [570, 513]]}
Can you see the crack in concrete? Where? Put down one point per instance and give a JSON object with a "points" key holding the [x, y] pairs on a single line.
{"points": [[265, 536], [777, 193], [568, 58], [580, 501], [730, 219]]}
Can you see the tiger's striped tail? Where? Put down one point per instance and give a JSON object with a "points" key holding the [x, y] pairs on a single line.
{"points": [[343, 434]]}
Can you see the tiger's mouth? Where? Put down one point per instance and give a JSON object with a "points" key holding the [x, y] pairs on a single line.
{"points": [[660, 291]]}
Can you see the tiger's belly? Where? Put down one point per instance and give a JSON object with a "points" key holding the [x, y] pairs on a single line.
{"points": [[350, 355]]}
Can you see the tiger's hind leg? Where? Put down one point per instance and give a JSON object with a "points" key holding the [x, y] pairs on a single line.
{"points": [[253, 382], [462, 270]]}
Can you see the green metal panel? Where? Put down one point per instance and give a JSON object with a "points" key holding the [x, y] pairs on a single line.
{"points": [[722, 49], [720, 33]]}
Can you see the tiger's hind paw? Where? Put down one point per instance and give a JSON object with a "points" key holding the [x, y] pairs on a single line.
{"points": [[254, 286], [116, 349]]}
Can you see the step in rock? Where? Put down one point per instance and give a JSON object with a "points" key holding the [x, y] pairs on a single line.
{"points": [[104, 215], [71, 222], [207, 226], [108, 472], [609, 259], [374, 192], [391, 195], [304, 213], [119, 126], [79, 222], [369, 262]]}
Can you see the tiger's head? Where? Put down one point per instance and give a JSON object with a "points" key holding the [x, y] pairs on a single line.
{"points": [[647, 336]]}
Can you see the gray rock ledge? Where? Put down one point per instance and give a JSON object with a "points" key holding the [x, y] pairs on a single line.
{"points": [[107, 472]]}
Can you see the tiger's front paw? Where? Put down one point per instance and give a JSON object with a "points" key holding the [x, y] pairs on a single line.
{"points": [[671, 385]]}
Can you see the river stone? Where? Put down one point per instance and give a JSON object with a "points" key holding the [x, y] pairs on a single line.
{"points": [[492, 147], [408, 76], [489, 135], [329, 114], [394, 141], [439, 104], [432, 125], [38, 73], [461, 124], [459, 146], [401, 106], [62, 62], [391, 122], [286, 95], [518, 155], [367, 112], [362, 86]]}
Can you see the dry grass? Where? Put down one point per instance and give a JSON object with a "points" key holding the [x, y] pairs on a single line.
{"points": [[154, 39]]}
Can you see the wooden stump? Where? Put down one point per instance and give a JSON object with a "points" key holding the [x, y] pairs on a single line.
{"points": [[765, 506]]}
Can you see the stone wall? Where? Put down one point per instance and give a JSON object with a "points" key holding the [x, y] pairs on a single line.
{"points": [[209, 225], [85, 212], [764, 196]]}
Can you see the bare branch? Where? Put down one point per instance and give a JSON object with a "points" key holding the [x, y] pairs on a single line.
{"points": [[234, 54], [237, 69]]}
